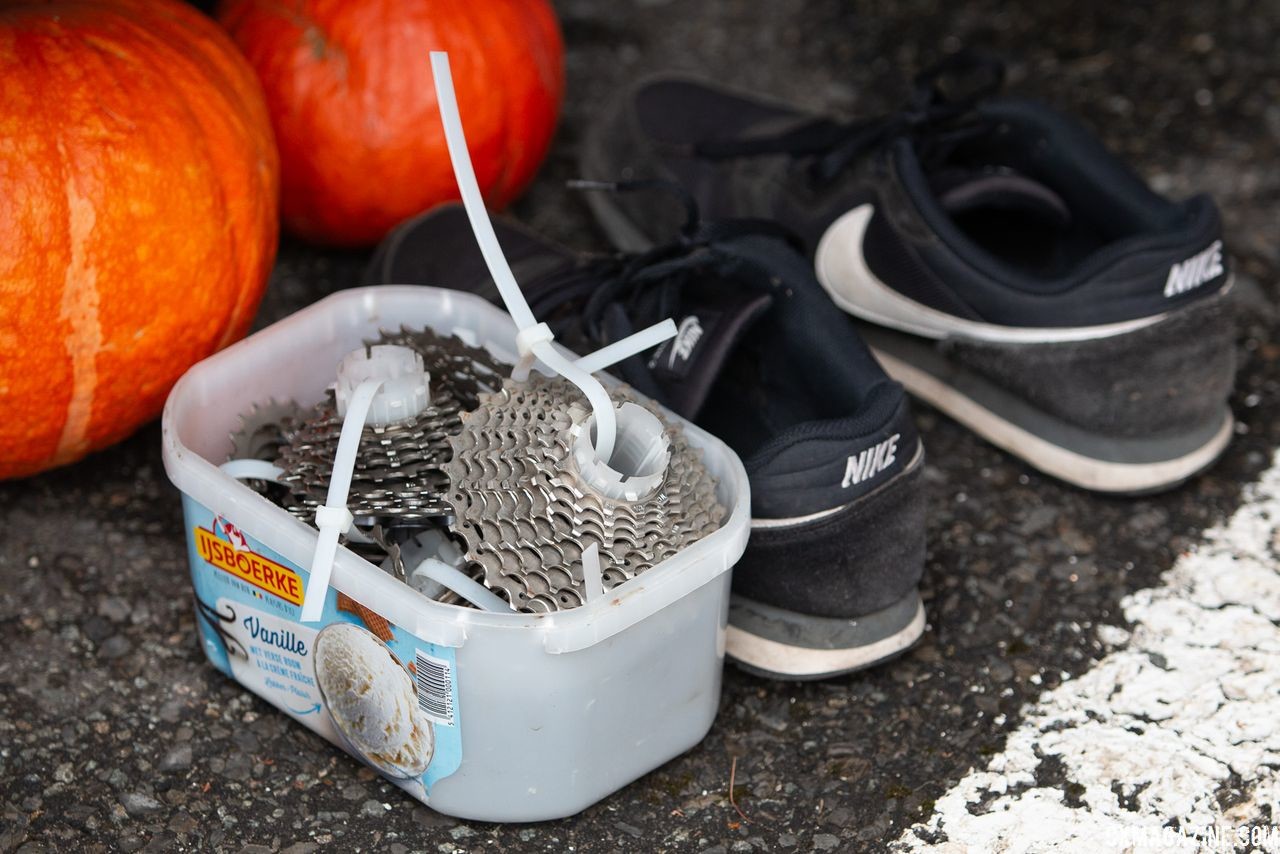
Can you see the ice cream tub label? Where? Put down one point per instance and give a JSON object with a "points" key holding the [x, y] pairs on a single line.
{"points": [[365, 684]]}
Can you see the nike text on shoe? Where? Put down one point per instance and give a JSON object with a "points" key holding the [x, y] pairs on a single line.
{"points": [[1200, 268], [998, 260], [871, 461], [828, 583]]}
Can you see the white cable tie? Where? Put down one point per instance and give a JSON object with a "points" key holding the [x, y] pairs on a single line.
{"points": [[462, 584], [526, 338], [520, 370], [592, 575], [472, 200], [253, 470], [627, 347], [355, 535], [601, 406], [333, 519], [499, 270]]}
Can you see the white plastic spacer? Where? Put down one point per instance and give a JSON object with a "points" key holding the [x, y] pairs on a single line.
{"points": [[405, 387], [639, 461]]}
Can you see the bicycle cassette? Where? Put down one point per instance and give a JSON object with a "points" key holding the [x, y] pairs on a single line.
{"points": [[526, 511], [399, 475], [264, 429]]}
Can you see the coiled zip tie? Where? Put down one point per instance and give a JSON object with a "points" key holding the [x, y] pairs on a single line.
{"points": [[534, 338]]}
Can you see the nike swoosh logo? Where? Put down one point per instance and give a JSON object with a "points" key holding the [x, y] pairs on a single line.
{"points": [[841, 266]]}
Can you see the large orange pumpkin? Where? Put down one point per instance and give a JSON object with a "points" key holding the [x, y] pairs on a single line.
{"points": [[349, 87], [138, 215]]}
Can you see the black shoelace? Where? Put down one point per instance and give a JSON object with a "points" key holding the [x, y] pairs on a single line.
{"points": [[607, 297], [938, 120]]}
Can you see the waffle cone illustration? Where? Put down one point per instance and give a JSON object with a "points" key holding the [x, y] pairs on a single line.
{"points": [[375, 622]]}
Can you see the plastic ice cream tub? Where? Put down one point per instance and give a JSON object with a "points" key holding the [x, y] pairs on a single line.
{"points": [[482, 715]]}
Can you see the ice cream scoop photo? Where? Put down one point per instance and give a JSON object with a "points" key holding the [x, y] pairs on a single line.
{"points": [[372, 700]]}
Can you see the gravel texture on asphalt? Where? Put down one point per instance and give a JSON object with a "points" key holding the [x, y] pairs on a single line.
{"points": [[115, 734]]}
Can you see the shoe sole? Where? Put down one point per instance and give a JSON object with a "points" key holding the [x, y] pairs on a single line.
{"points": [[777, 644], [1087, 460]]}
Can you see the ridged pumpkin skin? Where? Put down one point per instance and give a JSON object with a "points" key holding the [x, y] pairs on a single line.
{"points": [[349, 86], [138, 215]]}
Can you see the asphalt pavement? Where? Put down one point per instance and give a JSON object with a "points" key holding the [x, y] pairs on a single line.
{"points": [[115, 734]]}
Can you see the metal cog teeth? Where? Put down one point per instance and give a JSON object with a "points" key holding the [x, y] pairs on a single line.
{"points": [[399, 474], [512, 460], [264, 429], [455, 366]]}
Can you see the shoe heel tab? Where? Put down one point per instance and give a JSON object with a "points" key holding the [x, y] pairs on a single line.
{"points": [[827, 464], [1202, 214]]}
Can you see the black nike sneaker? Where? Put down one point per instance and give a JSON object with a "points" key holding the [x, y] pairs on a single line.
{"points": [[828, 583], [1000, 262]]}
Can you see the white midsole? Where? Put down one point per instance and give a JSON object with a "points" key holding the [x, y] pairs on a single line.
{"points": [[1062, 463], [790, 521], [843, 272], [786, 660]]}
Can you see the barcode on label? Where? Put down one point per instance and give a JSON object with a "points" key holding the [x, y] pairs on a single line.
{"points": [[435, 687]]}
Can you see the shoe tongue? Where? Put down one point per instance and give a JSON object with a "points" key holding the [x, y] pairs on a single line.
{"points": [[1006, 190], [684, 368]]}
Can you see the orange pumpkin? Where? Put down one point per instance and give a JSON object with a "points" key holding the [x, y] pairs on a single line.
{"points": [[349, 87], [138, 215]]}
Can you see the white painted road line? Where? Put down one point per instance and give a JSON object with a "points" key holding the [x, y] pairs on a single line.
{"points": [[1152, 731]]}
